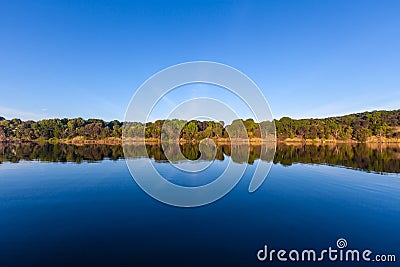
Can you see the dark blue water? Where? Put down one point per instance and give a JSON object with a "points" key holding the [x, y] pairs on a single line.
{"points": [[94, 214]]}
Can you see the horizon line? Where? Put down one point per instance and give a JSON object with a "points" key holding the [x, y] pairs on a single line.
{"points": [[309, 118]]}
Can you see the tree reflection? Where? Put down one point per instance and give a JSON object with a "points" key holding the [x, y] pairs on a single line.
{"points": [[378, 158]]}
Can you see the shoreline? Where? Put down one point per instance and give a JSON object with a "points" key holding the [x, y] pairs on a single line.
{"points": [[219, 141]]}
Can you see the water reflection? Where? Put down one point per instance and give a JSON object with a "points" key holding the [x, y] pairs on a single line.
{"points": [[58, 152], [378, 158]]}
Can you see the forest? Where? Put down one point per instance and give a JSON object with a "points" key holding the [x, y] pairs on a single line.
{"points": [[358, 127]]}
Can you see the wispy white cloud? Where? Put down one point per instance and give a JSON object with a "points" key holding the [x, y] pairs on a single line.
{"points": [[10, 113], [353, 104]]}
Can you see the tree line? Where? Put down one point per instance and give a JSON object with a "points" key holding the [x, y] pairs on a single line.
{"points": [[358, 127]]}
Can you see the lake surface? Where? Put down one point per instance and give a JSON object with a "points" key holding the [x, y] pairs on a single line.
{"points": [[64, 205]]}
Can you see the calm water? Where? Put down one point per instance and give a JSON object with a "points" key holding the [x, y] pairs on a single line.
{"points": [[78, 205]]}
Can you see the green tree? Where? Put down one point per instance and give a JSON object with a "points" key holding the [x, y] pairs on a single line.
{"points": [[190, 130]]}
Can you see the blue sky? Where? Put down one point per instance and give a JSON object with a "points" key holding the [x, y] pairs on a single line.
{"points": [[87, 58]]}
